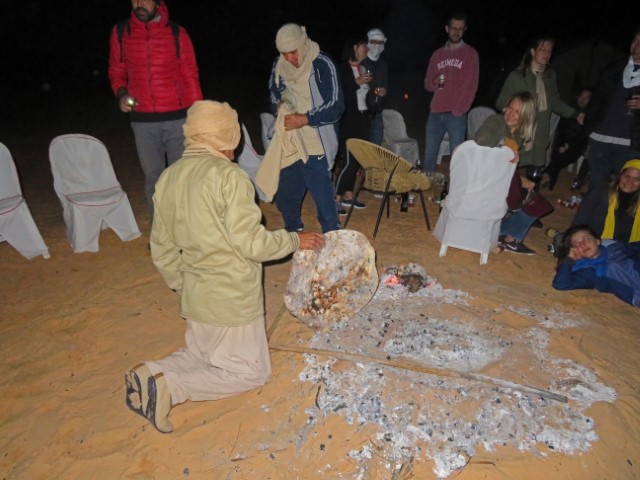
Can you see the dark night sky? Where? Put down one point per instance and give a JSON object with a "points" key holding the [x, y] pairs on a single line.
{"points": [[65, 44]]}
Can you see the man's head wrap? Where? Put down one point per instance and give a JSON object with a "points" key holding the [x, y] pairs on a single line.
{"points": [[212, 125], [375, 49], [290, 37]]}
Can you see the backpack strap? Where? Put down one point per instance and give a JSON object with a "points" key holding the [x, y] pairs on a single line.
{"points": [[175, 29], [120, 28]]}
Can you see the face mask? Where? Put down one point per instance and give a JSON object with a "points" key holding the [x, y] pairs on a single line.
{"points": [[374, 51]]}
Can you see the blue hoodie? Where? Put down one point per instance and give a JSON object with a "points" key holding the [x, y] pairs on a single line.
{"points": [[616, 270]]}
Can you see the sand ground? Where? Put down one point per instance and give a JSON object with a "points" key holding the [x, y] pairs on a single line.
{"points": [[72, 325]]}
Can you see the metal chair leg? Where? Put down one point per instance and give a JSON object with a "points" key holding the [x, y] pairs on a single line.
{"points": [[424, 210], [385, 199]]}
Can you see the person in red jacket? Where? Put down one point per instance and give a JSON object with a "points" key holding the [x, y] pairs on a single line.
{"points": [[154, 74]]}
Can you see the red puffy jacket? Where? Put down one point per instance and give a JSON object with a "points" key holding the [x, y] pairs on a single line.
{"points": [[164, 84]]}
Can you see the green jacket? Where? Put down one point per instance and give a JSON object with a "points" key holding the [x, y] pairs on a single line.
{"points": [[493, 131], [208, 243], [516, 82]]}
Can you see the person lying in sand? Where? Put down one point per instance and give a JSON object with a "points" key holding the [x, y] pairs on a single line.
{"points": [[585, 262]]}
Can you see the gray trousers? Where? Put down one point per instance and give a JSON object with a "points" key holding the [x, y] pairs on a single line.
{"points": [[218, 362], [159, 145]]}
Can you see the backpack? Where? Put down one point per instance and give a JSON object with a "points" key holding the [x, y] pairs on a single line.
{"points": [[124, 24]]}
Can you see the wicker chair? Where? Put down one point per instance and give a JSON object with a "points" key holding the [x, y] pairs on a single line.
{"points": [[387, 172]]}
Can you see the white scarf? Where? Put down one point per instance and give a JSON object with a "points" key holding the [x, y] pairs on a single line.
{"points": [[375, 51], [541, 92], [630, 79]]}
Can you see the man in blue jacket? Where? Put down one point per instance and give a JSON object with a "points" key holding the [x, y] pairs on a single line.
{"points": [[305, 79]]}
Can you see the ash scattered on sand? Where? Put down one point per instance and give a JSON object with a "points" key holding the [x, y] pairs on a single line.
{"points": [[446, 419]]}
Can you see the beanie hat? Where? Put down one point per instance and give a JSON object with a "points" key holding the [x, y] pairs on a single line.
{"points": [[631, 164], [290, 37], [376, 34]]}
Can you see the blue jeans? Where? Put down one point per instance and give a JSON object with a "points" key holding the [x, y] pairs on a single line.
{"points": [[159, 145], [437, 125], [294, 182], [375, 129], [605, 159], [517, 225]]}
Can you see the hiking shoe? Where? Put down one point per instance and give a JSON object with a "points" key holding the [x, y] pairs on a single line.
{"points": [[136, 395], [346, 203], [159, 404], [517, 247]]}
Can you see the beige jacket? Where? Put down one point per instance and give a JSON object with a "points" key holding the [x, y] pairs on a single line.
{"points": [[286, 148], [208, 243]]}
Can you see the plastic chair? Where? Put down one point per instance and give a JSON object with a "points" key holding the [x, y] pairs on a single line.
{"points": [[475, 118], [90, 194], [394, 136], [268, 123], [17, 227], [385, 171], [249, 160], [476, 203]]}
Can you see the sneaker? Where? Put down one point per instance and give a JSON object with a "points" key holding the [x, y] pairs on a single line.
{"points": [[517, 247], [346, 203], [341, 211]]}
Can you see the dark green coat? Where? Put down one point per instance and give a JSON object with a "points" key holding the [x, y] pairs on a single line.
{"points": [[516, 82]]}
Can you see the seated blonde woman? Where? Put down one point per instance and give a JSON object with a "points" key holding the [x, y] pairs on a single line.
{"points": [[514, 127]]}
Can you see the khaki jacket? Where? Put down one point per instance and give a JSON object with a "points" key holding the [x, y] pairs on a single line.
{"points": [[208, 243]]}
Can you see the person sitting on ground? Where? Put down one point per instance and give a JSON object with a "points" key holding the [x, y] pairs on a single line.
{"points": [[612, 211], [514, 128], [586, 263]]}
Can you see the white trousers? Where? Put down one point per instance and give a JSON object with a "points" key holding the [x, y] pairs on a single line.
{"points": [[218, 362]]}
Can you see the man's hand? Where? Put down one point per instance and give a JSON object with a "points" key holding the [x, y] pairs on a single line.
{"points": [[311, 241], [380, 91], [580, 118], [634, 102], [295, 120]]}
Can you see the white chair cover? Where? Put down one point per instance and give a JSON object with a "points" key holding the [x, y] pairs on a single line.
{"points": [[16, 223], [479, 183], [249, 161], [268, 125], [475, 118], [394, 136], [91, 196]]}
